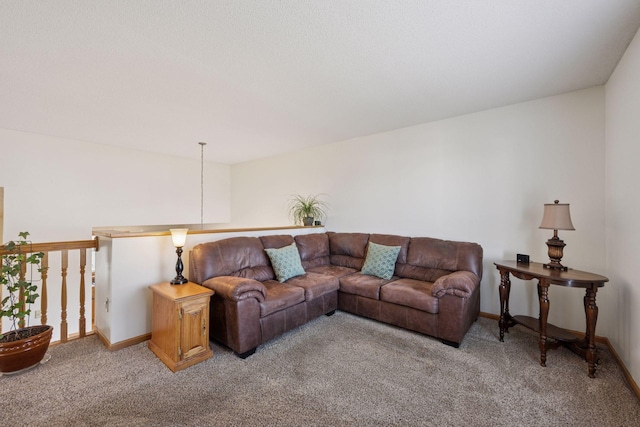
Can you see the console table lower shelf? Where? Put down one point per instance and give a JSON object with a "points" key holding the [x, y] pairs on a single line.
{"points": [[559, 335]]}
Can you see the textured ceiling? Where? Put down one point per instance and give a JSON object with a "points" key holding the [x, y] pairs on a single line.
{"points": [[264, 77]]}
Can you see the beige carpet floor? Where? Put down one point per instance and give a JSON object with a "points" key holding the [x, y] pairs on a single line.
{"points": [[339, 370]]}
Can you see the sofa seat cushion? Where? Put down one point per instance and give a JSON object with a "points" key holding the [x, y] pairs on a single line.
{"points": [[332, 270], [280, 296], [362, 284], [315, 285], [410, 293]]}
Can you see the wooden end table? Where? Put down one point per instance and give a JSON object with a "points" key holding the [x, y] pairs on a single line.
{"points": [[552, 336], [180, 324]]}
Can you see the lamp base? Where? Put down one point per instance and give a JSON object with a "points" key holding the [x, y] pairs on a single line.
{"points": [[555, 253], [555, 266], [179, 280]]}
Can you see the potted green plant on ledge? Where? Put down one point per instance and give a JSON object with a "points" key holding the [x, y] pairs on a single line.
{"points": [[303, 210], [21, 347]]}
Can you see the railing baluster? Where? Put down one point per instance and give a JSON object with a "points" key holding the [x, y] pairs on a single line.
{"points": [[83, 321], [63, 297], [21, 297], [43, 297]]}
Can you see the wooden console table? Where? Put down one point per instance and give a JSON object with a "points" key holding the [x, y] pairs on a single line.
{"points": [[550, 335]]}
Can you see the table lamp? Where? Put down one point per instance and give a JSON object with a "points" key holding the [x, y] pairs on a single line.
{"points": [[556, 217], [179, 237]]}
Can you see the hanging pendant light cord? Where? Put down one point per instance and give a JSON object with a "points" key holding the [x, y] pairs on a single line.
{"points": [[202, 144]]}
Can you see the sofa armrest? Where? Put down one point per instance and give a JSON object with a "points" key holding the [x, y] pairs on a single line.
{"points": [[236, 288], [458, 283]]}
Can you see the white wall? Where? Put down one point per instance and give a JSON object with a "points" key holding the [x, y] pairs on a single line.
{"points": [[623, 202], [59, 189], [481, 177]]}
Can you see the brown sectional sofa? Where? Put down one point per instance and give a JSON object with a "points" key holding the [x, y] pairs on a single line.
{"points": [[435, 288]]}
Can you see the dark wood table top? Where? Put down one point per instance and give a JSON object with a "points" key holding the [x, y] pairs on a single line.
{"points": [[571, 277]]}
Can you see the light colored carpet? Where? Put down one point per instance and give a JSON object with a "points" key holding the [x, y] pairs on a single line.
{"points": [[339, 370]]}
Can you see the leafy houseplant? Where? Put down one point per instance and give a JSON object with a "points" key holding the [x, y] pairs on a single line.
{"points": [[303, 210], [21, 347]]}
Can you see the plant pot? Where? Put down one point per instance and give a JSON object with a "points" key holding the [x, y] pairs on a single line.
{"points": [[308, 221], [27, 352]]}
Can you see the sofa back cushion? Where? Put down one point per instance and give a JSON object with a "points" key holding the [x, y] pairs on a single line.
{"points": [[348, 249], [428, 259], [314, 249], [237, 256], [277, 241]]}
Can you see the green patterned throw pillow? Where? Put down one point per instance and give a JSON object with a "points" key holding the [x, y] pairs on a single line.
{"points": [[380, 261], [286, 262]]}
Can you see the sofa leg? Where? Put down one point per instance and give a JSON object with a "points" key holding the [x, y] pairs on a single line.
{"points": [[246, 353], [331, 313], [451, 343]]}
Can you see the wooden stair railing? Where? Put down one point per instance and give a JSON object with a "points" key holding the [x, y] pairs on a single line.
{"points": [[63, 247]]}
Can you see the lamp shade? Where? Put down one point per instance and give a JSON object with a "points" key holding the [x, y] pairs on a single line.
{"points": [[179, 236], [556, 217]]}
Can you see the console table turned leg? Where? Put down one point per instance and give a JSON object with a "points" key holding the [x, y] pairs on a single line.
{"points": [[505, 289], [592, 317], [543, 293]]}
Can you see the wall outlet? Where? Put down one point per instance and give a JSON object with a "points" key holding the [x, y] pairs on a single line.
{"points": [[37, 314]]}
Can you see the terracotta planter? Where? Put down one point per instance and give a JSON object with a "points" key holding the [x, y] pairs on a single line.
{"points": [[27, 352]]}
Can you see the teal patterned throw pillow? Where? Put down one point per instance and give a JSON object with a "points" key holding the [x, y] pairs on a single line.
{"points": [[286, 262], [381, 260]]}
